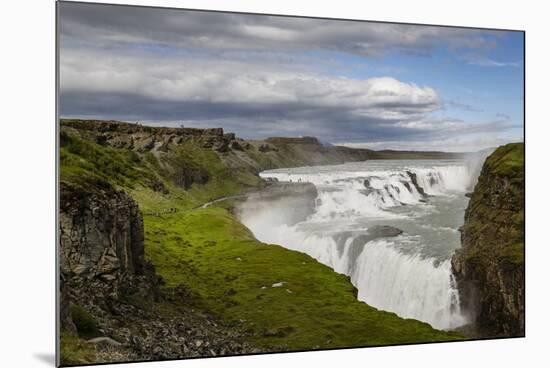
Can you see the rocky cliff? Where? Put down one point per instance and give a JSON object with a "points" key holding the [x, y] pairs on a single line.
{"points": [[101, 233], [489, 267], [110, 295], [236, 153]]}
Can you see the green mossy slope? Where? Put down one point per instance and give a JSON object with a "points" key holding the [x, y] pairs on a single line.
{"points": [[76, 351], [227, 271], [495, 214]]}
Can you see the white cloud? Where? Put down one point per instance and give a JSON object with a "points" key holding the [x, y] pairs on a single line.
{"points": [[450, 144], [217, 81], [487, 62], [255, 75], [107, 25]]}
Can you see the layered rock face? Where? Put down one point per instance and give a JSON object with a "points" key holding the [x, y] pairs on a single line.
{"points": [[145, 138], [101, 247], [101, 233], [489, 267], [103, 274]]}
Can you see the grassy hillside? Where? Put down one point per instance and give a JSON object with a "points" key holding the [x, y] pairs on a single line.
{"points": [[229, 272], [210, 260]]}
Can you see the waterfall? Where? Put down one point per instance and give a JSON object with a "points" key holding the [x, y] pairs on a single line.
{"points": [[342, 193], [408, 285], [396, 274]]}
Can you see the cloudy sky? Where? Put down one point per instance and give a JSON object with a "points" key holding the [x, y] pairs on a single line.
{"points": [[355, 83]]}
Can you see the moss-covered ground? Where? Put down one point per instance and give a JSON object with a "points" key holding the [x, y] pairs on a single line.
{"points": [[75, 350], [496, 215], [232, 274], [508, 160]]}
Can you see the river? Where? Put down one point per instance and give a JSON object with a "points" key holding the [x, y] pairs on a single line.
{"points": [[392, 226]]}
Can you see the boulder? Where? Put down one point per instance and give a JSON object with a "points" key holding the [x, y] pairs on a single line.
{"points": [[235, 145], [187, 176], [414, 182], [229, 136], [360, 240], [384, 231], [104, 340], [264, 147]]}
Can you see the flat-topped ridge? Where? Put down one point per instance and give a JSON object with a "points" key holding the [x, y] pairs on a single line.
{"points": [[104, 126], [293, 140]]}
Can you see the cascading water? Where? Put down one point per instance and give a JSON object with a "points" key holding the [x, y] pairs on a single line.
{"points": [[392, 226]]}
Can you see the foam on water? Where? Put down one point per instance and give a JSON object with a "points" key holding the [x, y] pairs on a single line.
{"points": [[408, 285], [409, 274]]}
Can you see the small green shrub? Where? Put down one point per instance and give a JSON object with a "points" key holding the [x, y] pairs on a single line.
{"points": [[75, 351], [84, 321]]}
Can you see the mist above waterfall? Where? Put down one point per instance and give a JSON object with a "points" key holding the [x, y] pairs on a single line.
{"points": [[408, 271]]}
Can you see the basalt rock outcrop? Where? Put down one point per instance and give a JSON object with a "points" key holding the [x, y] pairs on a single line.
{"points": [[103, 277], [144, 138], [101, 235], [236, 153], [101, 252], [414, 182], [361, 238], [489, 268]]}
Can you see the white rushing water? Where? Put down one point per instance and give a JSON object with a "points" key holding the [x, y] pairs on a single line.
{"points": [[409, 274]]}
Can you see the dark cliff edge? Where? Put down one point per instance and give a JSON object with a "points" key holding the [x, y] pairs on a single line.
{"points": [[110, 296], [236, 153], [489, 267]]}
